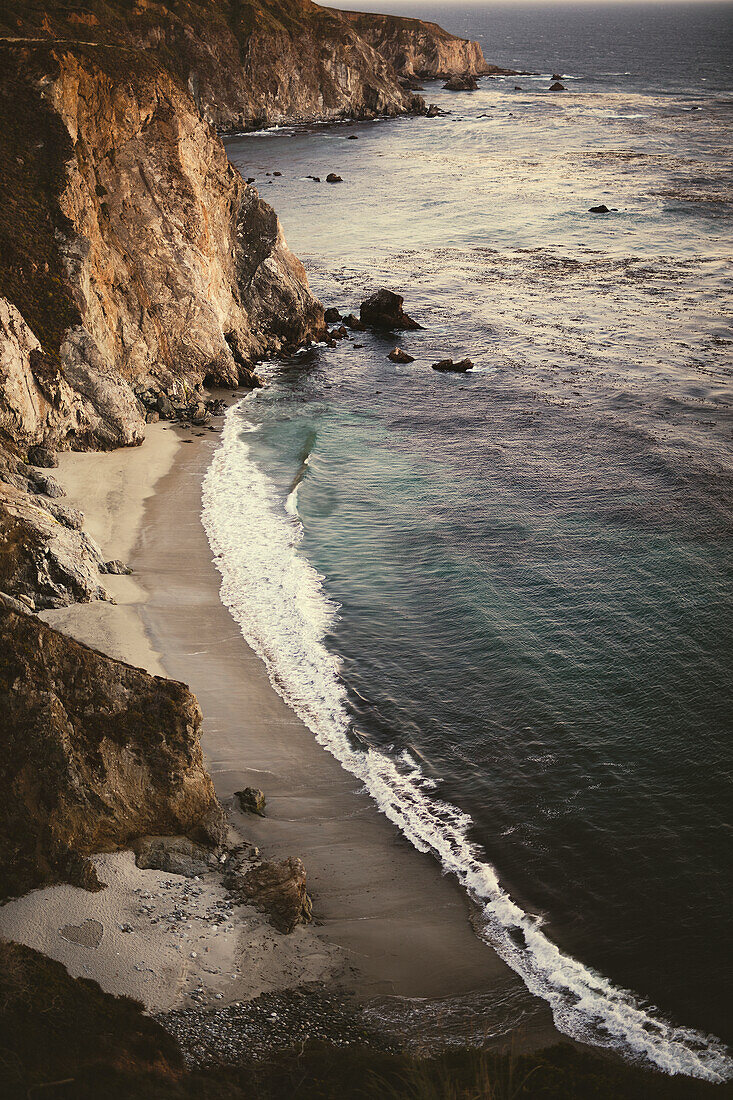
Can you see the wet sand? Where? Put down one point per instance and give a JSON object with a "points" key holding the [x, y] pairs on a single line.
{"points": [[403, 926], [388, 923]]}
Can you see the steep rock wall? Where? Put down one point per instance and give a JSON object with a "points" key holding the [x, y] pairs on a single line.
{"points": [[162, 266], [93, 753]]}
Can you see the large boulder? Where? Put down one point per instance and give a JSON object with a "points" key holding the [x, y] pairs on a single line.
{"points": [[397, 355], [251, 800], [176, 855], [383, 310], [276, 887]]}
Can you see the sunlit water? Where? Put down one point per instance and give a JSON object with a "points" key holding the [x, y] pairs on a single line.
{"points": [[503, 599]]}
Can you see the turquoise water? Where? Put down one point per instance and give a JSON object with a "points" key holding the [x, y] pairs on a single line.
{"points": [[503, 599]]}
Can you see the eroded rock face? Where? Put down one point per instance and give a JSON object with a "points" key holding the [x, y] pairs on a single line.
{"points": [[93, 753], [180, 271], [161, 269], [45, 557], [36, 401], [250, 64]]}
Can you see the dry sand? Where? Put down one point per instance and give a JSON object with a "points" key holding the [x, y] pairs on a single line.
{"points": [[388, 923]]}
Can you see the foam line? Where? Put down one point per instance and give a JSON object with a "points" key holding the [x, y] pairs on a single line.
{"points": [[278, 600]]}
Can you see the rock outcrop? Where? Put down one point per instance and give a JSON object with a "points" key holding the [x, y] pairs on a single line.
{"points": [[93, 753], [245, 65], [46, 559], [464, 83]]}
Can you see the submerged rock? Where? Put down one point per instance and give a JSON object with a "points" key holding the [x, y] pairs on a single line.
{"points": [[448, 365], [602, 209], [397, 355], [434, 111], [383, 310], [251, 800]]}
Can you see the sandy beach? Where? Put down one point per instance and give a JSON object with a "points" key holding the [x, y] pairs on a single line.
{"points": [[387, 923]]}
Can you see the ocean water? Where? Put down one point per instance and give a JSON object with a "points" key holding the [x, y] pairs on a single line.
{"points": [[503, 599]]}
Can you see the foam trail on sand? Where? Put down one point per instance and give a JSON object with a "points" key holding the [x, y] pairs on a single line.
{"points": [[278, 599]]}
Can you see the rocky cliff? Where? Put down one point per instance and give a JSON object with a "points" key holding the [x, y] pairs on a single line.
{"points": [[245, 64], [417, 48], [141, 259], [93, 753]]}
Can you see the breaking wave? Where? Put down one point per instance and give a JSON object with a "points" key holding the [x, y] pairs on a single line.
{"points": [[278, 600]]}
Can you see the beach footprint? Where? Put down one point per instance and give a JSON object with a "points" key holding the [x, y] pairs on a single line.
{"points": [[87, 934]]}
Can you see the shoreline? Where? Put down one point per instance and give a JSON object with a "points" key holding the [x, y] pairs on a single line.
{"points": [[388, 924]]}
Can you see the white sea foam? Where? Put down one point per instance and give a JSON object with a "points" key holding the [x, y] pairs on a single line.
{"points": [[278, 599]]}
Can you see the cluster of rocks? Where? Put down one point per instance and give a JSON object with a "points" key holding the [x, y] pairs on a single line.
{"points": [[447, 365], [188, 408], [384, 313], [276, 887], [248, 1030], [332, 177]]}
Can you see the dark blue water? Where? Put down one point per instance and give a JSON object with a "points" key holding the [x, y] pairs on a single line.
{"points": [[504, 599]]}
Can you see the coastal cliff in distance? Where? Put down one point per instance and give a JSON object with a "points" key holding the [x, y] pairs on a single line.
{"points": [[416, 48]]}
